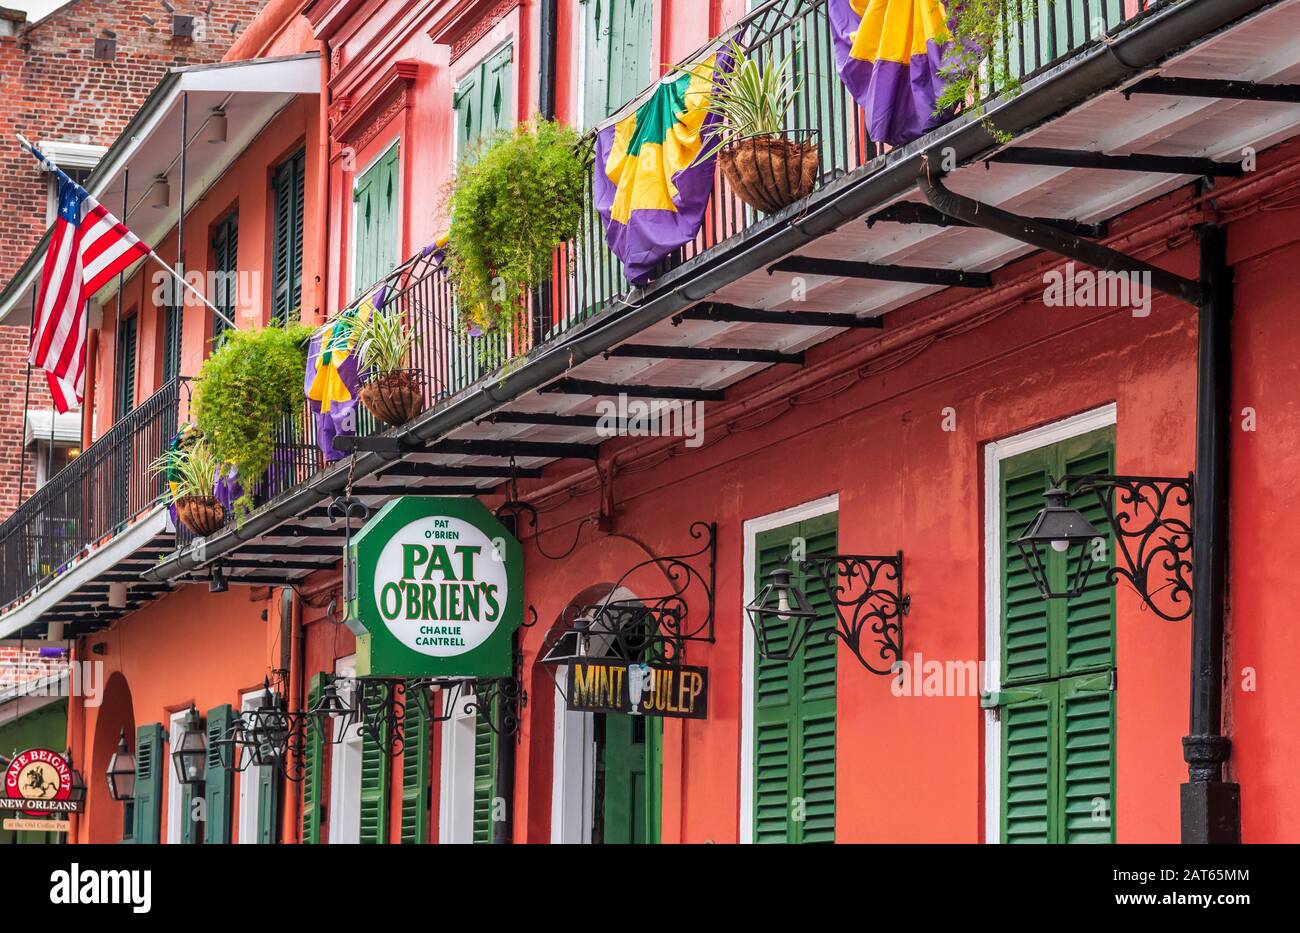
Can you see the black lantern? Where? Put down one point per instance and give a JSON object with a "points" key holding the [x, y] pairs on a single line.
{"points": [[1148, 519], [780, 601], [121, 771], [331, 716], [1061, 528], [268, 738], [78, 783], [190, 751]]}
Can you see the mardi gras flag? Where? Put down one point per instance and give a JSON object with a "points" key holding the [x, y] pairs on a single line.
{"points": [[332, 377], [651, 185], [888, 53]]}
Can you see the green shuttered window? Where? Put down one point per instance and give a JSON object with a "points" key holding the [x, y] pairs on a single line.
{"points": [[415, 776], [218, 781], [1056, 706], [617, 36], [375, 209], [150, 780], [485, 770], [313, 767], [794, 704], [484, 100], [225, 266], [124, 393], [286, 242], [374, 789], [173, 321]]}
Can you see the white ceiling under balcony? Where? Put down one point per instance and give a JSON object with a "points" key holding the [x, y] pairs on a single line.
{"points": [[249, 93]]}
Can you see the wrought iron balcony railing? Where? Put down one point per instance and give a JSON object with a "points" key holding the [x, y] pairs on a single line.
{"points": [[89, 500]]}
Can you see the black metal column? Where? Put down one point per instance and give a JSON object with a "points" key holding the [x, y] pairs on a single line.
{"points": [[506, 709], [1211, 807]]}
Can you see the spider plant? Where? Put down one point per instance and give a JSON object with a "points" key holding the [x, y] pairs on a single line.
{"points": [[384, 343], [752, 96], [189, 471]]}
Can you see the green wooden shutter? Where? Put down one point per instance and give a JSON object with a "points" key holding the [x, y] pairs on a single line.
{"points": [[1057, 708], [218, 781], [376, 212], [225, 249], [485, 770], [499, 91], [466, 101], [173, 326], [313, 769], [286, 252], [126, 341], [1029, 765], [794, 704], [374, 789], [415, 776], [268, 805], [150, 774], [1051, 638], [616, 66]]}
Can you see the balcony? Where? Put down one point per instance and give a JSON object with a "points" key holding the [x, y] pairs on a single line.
{"points": [[92, 499]]}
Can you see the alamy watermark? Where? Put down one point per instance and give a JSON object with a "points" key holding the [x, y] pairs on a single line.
{"points": [[656, 417], [1088, 288]]}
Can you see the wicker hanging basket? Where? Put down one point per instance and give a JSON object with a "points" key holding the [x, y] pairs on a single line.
{"points": [[202, 515], [770, 172], [393, 398]]}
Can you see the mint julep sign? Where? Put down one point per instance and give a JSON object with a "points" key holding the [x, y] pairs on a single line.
{"points": [[437, 590]]}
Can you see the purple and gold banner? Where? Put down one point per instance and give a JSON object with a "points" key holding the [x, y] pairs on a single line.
{"points": [[651, 186], [889, 54]]}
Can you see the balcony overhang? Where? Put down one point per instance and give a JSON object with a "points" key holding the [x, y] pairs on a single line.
{"points": [[249, 93], [718, 318]]}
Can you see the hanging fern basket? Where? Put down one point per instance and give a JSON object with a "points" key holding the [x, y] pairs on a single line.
{"points": [[393, 397], [202, 515], [771, 171]]}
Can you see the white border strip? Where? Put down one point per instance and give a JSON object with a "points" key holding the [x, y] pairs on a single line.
{"points": [[753, 527], [994, 453]]}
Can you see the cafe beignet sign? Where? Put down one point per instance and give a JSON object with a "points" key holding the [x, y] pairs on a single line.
{"points": [[39, 780], [438, 590]]}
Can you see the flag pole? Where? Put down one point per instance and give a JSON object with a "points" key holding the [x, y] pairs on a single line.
{"points": [[156, 258]]}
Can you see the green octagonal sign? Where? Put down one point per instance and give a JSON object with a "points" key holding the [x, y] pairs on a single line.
{"points": [[436, 591]]}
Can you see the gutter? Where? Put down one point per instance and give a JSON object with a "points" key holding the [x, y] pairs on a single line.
{"points": [[1151, 40]]}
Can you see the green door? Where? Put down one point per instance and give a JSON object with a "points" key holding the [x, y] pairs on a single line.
{"points": [[629, 808], [375, 212]]}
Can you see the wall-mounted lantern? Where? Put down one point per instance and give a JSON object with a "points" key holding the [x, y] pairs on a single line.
{"points": [[189, 756], [866, 593], [121, 771], [1151, 534]]}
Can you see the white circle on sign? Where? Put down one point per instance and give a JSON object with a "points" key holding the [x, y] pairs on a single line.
{"points": [[437, 587]]}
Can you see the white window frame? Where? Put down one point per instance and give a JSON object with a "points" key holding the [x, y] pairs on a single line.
{"points": [[345, 769], [573, 771], [753, 527], [994, 453], [175, 792], [456, 774], [250, 784]]}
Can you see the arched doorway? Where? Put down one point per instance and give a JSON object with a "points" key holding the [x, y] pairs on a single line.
{"points": [[605, 769], [108, 819]]}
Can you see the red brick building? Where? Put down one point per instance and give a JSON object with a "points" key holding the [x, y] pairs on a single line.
{"points": [[70, 81]]}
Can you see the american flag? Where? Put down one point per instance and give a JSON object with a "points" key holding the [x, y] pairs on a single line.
{"points": [[88, 246]]}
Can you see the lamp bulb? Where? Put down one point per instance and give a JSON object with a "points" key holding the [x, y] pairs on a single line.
{"points": [[1060, 546]]}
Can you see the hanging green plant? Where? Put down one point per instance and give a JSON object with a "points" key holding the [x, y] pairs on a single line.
{"points": [[512, 201], [983, 54], [244, 391]]}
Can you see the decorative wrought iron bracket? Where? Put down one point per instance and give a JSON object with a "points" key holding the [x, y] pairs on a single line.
{"points": [[347, 508], [1153, 538], [867, 593], [381, 712]]}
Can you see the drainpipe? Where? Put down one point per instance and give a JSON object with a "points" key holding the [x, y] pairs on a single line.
{"points": [[546, 93], [323, 185], [1210, 807]]}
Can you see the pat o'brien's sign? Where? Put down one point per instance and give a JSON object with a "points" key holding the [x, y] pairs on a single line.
{"points": [[643, 689], [437, 590]]}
